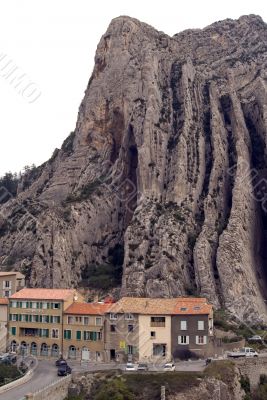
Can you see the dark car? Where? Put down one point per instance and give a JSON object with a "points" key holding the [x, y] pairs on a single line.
{"points": [[64, 370], [60, 362], [142, 367]]}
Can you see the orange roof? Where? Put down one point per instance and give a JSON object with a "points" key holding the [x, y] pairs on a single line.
{"points": [[162, 306], [3, 301], [88, 308], [43, 294]]}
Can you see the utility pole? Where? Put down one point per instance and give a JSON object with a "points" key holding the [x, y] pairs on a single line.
{"points": [[163, 393]]}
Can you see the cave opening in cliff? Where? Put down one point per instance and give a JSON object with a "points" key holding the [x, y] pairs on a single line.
{"points": [[256, 129]]}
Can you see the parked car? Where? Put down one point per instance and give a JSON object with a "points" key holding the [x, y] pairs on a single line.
{"points": [[142, 367], [169, 367], [64, 370], [130, 367], [255, 338], [244, 352], [61, 361]]}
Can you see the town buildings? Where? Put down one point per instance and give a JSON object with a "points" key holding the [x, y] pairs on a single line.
{"points": [[51, 322], [36, 320], [10, 283]]}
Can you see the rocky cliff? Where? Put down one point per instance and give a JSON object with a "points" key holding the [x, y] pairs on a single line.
{"points": [[168, 161]]}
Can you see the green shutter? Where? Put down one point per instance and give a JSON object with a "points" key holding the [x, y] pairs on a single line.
{"points": [[30, 318], [48, 305], [10, 317], [13, 330], [41, 305], [37, 304], [47, 333], [27, 317], [65, 334], [94, 336], [37, 318], [51, 319], [19, 317], [78, 335], [20, 304], [30, 304], [27, 304]]}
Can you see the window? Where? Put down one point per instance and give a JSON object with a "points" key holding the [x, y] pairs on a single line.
{"points": [[23, 317], [201, 339], [7, 293], [44, 318], [14, 317], [45, 305], [44, 333], [86, 320], [54, 334], [34, 304], [67, 334], [200, 325], [56, 305], [129, 349], [35, 318], [98, 320], [24, 304], [78, 320], [7, 284], [196, 308], [112, 328], [93, 336], [183, 308], [129, 316], [157, 321], [13, 330], [70, 320], [13, 304], [78, 335], [183, 325], [130, 328], [183, 339], [56, 319], [113, 316], [153, 334]]}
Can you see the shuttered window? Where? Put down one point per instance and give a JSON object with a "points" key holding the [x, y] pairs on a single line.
{"points": [[78, 335]]}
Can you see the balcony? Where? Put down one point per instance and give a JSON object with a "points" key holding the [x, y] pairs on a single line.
{"points": [[154, 324]]}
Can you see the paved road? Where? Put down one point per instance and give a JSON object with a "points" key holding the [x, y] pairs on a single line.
{"points": [[46, 373]]}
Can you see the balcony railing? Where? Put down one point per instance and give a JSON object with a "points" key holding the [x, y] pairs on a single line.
{"points": [[157, 324]]}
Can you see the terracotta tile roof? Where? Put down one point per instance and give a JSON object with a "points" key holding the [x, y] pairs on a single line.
{"points": [[145, 306], [43, 294], [19, 274], [88, 308], [3, 301]]}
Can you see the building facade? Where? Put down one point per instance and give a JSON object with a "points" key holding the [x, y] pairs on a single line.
{"points": [[83, 331], [10, 283], [3, 323], [36, 320], [191, 327]]}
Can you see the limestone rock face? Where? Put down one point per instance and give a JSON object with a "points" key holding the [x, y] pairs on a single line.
{"points": [[168, 158]]}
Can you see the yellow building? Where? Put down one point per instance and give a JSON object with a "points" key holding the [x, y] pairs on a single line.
{"points": [[11, 282], [35, 323], [84, 331]]}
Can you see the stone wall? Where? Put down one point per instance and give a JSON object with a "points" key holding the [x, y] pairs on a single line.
{"points": [[252, 368], [57, 390]]}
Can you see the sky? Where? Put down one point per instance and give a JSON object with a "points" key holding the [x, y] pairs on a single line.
{"points": [[47, 52]]}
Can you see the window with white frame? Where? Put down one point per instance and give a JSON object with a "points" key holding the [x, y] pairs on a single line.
{"points": [[201, 339], [13, 304], [24, 304], [23, 317], [13, 317], [200, 325], [113, 316], [129, 316], [7, 293], [183, 339], [86, 320], [45, 305], [7, 284], [98, 320], [183, 325], [34, 304]]}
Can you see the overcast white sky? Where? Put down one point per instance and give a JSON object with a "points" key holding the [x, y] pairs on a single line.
{"points": [[53, 42]]}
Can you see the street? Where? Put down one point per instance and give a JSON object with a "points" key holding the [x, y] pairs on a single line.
{"points": [[46, 373]]}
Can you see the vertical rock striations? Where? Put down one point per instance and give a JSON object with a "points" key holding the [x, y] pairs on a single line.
{"points": [[168, 159]]}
